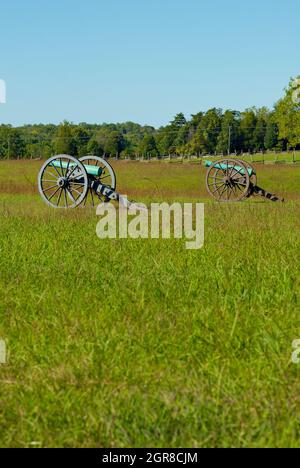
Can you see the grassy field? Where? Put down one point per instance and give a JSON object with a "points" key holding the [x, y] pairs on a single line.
{"points": [[143, 343]]}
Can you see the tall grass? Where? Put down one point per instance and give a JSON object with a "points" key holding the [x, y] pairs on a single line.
{"points": [[143, 343]]}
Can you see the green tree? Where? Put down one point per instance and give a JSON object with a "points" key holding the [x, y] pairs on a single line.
{"points": [[271, 135], [260, 128], [148, 146], [206, 135], [108, 141], [114, 144], [14, 146], [248, 126], [65, 143], [166, 140], [287, 116], [81, 138], [169, 138], [179, 121], [229, 138], [94, 148]]}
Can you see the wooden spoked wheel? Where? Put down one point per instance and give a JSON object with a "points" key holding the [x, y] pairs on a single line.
{"points": [[228, 180], [63, 182], [106, 177]]}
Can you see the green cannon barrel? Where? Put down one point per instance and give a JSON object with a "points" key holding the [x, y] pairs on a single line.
{"points": [[91, 170], [224, 167]]}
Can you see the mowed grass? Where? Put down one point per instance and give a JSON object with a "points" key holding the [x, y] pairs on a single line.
{"points": [[143, 343]]}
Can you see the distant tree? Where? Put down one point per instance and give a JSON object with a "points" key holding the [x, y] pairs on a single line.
{"points": [[94, 148], [109, 141], [179, 121], [16, 147], [196, 120], [182, 138], [248, 126], [287, 117], [206, 135], [114, 144], [271, 135], [169, 138], [65, 143], [229, 137], [148, 146], [81, 138], [165, 139]]}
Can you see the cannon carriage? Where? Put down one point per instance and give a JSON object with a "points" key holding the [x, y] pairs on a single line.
{"points": [[67, 182], [232, 180]]}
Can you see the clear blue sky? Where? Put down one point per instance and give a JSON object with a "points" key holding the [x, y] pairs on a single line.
{"points": [[117, 60]]}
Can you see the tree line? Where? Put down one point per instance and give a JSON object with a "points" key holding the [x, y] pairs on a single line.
{"points": [[214, 131]]}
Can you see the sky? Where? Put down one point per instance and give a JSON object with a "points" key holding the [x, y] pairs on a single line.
{"points": [[144, 61]]}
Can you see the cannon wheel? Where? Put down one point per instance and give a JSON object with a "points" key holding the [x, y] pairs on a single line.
{"points": [[253, 177], [228, 180], [64, 185], [107, 177]]}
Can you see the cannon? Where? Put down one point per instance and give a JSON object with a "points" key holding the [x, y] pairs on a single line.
{"points": [[67, 182], [229, 180]]}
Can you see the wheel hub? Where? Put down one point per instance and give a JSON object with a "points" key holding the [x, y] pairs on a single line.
{"points": [[227, 180], [62, 182]]}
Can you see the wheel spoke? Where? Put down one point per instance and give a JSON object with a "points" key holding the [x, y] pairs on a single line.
{"points": [[93, 198], [106, 177], [59, 198], [214, 184], [74, 190], [231, 170], [217, 178], [68, 165], [54, 194], [218, 188], [62, 171], [241, 183], [71, 182], [241, 187], [224, 190], [71, 195], [66, 198], [75, 167], [49, 188], [228, 192], [239, 178], [57, 171], [53, 175]]}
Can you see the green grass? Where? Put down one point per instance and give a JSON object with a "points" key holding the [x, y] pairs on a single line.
{"points": [[143, 343]]}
